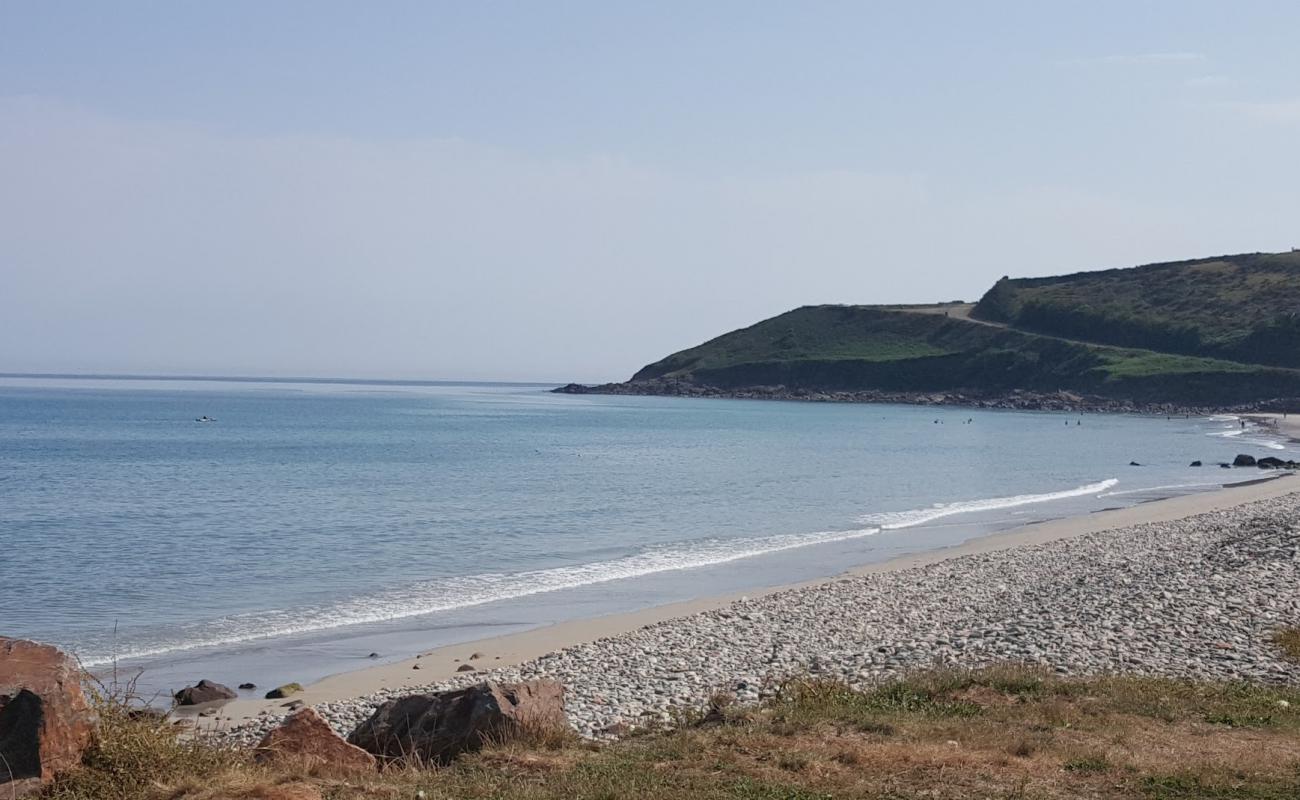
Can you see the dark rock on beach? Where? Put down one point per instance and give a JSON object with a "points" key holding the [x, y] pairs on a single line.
{"points": [[1195, 464], [45, 722], [1243, 460], [281, 692], [437, 727], [205, 691]]}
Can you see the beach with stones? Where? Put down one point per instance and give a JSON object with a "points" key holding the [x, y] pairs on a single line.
{"points": [[1197, 598]]}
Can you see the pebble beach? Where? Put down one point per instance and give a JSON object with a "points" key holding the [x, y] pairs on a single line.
{"points": [[1197, 597]]}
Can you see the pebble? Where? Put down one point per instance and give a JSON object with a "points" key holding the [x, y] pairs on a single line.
{"points": [[1195, 598]]}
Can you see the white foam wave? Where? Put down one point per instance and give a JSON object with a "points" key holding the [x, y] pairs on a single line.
{"points": [[893, 520], [472, 590], [465, 591]]}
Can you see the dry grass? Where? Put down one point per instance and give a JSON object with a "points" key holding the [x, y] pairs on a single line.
{"points": [[1288, 641], [1004, 733]]}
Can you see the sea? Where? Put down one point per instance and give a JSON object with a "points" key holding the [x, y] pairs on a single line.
{"points": [[265, 531]]}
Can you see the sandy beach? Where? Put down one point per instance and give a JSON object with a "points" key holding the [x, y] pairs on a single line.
{"points": [[507, 654], [1287, 425]]}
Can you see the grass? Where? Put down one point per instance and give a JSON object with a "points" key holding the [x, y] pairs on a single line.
{"points": [[1142, 363], [1288, 641], [1206, 307], [1007, 733], [865, 347]]}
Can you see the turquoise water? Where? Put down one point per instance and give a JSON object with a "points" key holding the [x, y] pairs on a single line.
{"points": [[312, 523]]}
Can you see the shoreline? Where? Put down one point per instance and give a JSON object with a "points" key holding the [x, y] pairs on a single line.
{"points": [[1017, 400], [1283, 425], [512, 650]]}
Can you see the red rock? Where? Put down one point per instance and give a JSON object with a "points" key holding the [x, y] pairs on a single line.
{"points": [[437, 727], [45, 722], [306, 738]]}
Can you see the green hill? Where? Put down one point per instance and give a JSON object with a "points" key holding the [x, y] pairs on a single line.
{"points": [[1242, 308], [853, 348], [1214, 332]]}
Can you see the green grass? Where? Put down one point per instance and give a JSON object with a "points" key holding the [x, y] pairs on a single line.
{"points": [[852, 348], [1242, 308], [1144, 363]]}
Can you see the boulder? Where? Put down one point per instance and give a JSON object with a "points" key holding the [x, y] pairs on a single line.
{"points": [[436, 727], [1195, 464], [306, 739], [205, 691], [281, 692], [45, 722], [1270, 462], [1243, 460]]}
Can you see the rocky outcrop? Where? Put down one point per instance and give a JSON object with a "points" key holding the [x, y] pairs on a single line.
{"points": [[435, 728], [1015, 400], [1243, 460], [205, 691], [45, 722], [306, 739]]}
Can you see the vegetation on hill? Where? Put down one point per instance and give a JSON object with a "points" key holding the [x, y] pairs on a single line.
{"points": [[850, 348], [1002, 732], [1243, 307]]}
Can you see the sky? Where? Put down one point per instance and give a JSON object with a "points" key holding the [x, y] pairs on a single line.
{"points": [[569, 190]]}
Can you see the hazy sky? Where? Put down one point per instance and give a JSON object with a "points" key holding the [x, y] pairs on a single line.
{"points": [[556, 191]]}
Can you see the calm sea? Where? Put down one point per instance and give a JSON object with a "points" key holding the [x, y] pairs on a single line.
{"points": [[310, 524]]}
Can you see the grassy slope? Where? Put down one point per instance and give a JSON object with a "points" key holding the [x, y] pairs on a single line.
{"points": [[1242, 307], [865, 347], [1008, 732]]}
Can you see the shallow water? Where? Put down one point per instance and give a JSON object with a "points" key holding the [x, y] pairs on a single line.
{"points": [[312, 523]]}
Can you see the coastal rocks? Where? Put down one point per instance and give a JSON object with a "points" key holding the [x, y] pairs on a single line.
{"points": [[435, 728], [1017, 399], [465, 668], [281, 692], [1243, 460], [247, 686], [45, 722], [205, 691], [1269, 462], [305, 738], [1195, 464]]}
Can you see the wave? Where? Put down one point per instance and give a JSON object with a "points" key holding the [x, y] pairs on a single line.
{"points": [[465, 591], [893, 520], [1162, 488], [472, 590]]}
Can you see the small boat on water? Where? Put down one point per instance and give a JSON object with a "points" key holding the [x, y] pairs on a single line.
{"points": [[205, 418]]}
